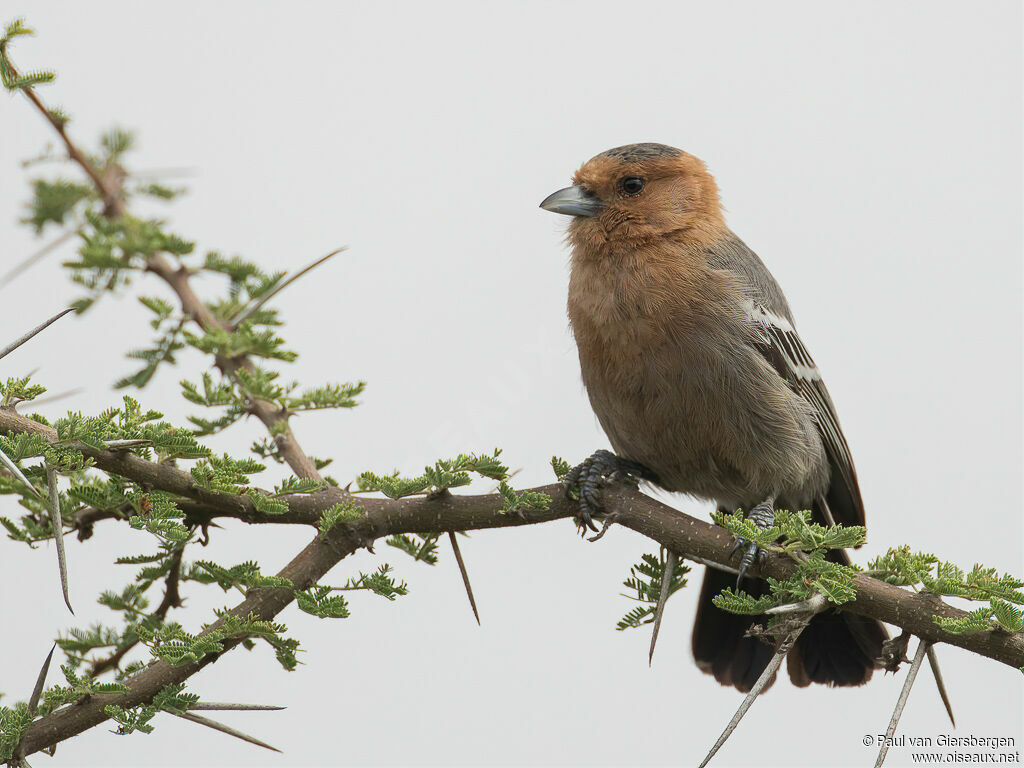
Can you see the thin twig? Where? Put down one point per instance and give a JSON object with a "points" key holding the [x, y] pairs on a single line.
{"points": [[226, 706], [10, 348], [171, 599], [933, 662], [922, 649], [671, 561], [37, 691], [13, 469], [35, 257], [57, 523], [224, 729], [465, 574], [110, 199], [246, 313]]}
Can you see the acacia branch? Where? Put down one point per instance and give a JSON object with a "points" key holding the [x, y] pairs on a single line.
{"points": [[694, 539], [681, 533], [109, 184]]}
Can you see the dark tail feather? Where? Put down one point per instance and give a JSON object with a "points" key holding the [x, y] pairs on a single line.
{"points": [[719, 647], [837, 648]]}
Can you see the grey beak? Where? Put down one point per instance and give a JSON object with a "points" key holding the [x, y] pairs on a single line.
{"points": [[572, 201]]}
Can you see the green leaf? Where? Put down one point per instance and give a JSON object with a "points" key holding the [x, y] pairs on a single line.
{"points": [[318, 601], [644, 583], [337, 513]]}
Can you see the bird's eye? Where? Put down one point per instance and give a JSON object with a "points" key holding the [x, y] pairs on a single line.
{"points": [[632, 185]]}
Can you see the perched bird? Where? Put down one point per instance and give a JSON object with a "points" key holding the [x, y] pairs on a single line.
{"points": [[693, 365]]}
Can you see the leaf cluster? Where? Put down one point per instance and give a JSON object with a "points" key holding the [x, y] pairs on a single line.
{"points": [[644, 584]]}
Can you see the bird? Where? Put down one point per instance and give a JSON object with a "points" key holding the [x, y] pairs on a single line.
{"points": [[692, 363]]}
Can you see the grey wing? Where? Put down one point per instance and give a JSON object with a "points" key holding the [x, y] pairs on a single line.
{"points": [[777, 339], [780, 344]]}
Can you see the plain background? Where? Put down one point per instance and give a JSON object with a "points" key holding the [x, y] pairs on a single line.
{"points": [[869, 152]]}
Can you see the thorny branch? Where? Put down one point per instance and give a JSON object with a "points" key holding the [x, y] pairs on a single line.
{"points": [[691, 538], [109, 185]]}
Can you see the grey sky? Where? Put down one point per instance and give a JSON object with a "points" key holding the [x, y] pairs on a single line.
{"points": [[869, 152]]}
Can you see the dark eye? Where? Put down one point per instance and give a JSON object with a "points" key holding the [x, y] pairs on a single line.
{"points": [[632, 185]]}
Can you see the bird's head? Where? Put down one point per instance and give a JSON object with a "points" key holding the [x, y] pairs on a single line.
{"points": [[638, 192]]}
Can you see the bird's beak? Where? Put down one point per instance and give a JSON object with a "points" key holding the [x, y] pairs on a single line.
{"points": [[572, 201]]}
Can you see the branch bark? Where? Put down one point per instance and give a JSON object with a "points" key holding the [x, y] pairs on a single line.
{"points": [[681, 533], [689, 537]]}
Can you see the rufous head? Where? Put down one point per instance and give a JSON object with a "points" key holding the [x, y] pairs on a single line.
{"points": [[638, 192]]}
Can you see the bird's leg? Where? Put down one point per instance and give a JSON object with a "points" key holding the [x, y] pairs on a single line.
{"points": [[763, 516], [592, 474]]}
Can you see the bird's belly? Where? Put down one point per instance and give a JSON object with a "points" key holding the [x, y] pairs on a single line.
{"points": [[707, 427]]}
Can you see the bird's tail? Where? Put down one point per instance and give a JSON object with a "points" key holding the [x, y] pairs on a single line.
{"points": [[719, 645], [836, 648]]}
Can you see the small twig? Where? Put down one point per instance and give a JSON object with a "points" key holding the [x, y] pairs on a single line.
{"points": [[57, 523], [671, 561], [86, 517], [609, 520], [922, 649], [217, 706], [171, 599], [10, 348], [37, 691], [110, 198], [224, 729], [35, 257], [13, 469], [933, 662], [246, 313], [465, 574]]}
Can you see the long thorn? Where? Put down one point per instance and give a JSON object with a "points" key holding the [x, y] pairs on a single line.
{"points": [[33, 700], [224, 729], [13, 346], [671, 561], [55, 397], [57, 523], [762, 683], [48, 248], [922, 649], [248, 312], [933, 662], [465, 574], [816, 603], [134, 442], [13, 469], [219, 706]]}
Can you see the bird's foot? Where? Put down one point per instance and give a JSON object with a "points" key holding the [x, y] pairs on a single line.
{"points": [[590, 476], [763, 516]]}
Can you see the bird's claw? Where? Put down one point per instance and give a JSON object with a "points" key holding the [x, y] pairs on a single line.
{"points": [[751, 554], [591, 475], [763, 516]]}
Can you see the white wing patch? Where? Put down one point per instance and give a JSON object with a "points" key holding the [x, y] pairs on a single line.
{"points": [[787, 353]]}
